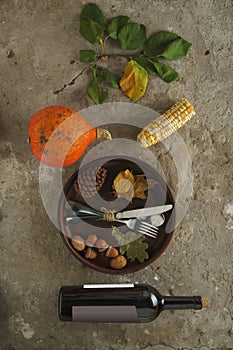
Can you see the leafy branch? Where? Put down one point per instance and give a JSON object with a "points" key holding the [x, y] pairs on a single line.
{"points": [[149, 61]]}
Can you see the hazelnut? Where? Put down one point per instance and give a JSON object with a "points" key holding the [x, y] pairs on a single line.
{"points": [[112, 252], [102, 245], [90, 253], [78, 243], [118, 263], [91, 240]]}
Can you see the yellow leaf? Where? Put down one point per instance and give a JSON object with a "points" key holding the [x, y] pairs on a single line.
{"points": [[127, 195], [123, 182], [134, 81], [129, 186]]}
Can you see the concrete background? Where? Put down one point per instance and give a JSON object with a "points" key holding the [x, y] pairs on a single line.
{"points": [[39, 52]]}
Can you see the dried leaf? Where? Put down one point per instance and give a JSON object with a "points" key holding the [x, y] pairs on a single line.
{"points": [[128, 186], [134, 81], [123, 185], [141, 185], [127, 195]]}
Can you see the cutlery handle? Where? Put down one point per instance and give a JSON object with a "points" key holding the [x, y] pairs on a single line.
{"points": [[80, 208], [85, 210], [77, 219]]}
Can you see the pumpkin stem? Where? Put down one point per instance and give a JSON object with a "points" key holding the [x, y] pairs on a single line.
{"points": [[103, 134]]}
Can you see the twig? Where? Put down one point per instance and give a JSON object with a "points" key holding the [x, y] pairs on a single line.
{"points": [[72, 82], [114, 56], [126, 56]]}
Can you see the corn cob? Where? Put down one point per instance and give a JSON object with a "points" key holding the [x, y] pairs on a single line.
{"points": [[170, 121]]}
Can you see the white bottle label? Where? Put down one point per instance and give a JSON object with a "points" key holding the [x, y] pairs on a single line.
{"points": [[123, 285]]}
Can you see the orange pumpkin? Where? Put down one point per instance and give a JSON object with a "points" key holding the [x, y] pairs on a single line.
{"points": [[59, 135]]}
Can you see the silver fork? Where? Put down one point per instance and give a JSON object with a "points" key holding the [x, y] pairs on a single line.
{"points": [[141, 227]]}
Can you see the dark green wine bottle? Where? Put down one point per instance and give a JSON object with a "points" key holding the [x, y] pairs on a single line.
{"points": [[119, 303]]}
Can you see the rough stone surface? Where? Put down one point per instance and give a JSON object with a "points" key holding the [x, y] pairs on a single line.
{"points": [[39, 41]]}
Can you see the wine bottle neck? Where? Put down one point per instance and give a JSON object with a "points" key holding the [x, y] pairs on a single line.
{"points": [[181, 303]]}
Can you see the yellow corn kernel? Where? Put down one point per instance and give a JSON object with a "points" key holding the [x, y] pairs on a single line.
{"points": [[170, 121]]}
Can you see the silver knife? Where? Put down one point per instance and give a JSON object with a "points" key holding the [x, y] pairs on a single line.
{"points": [[144, 212], [137, 212], [156, 220]]}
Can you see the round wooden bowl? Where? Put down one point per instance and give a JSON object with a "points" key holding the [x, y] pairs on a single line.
{"points": [[160, 194]]}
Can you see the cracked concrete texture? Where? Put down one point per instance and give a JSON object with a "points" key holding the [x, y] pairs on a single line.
{"points": [[41, 39]]}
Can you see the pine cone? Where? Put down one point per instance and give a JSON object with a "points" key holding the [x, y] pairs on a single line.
{"points": [[87, 183]]}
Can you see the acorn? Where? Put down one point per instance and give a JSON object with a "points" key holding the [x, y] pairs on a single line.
{"points": [[102, 245], [78, 243], [91, 240], [112, 252], [90, 253], [118, 263]]}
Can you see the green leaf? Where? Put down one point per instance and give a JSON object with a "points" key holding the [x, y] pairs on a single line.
{"points": [[110, 78], [116, 24], [131, 36], [87, 55], [176, 49], [165, 72], [95, 92], [131, 244], [93, 12], [146, 64], [91, 31], [124, 238], [157, 43], [136, 250]]}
